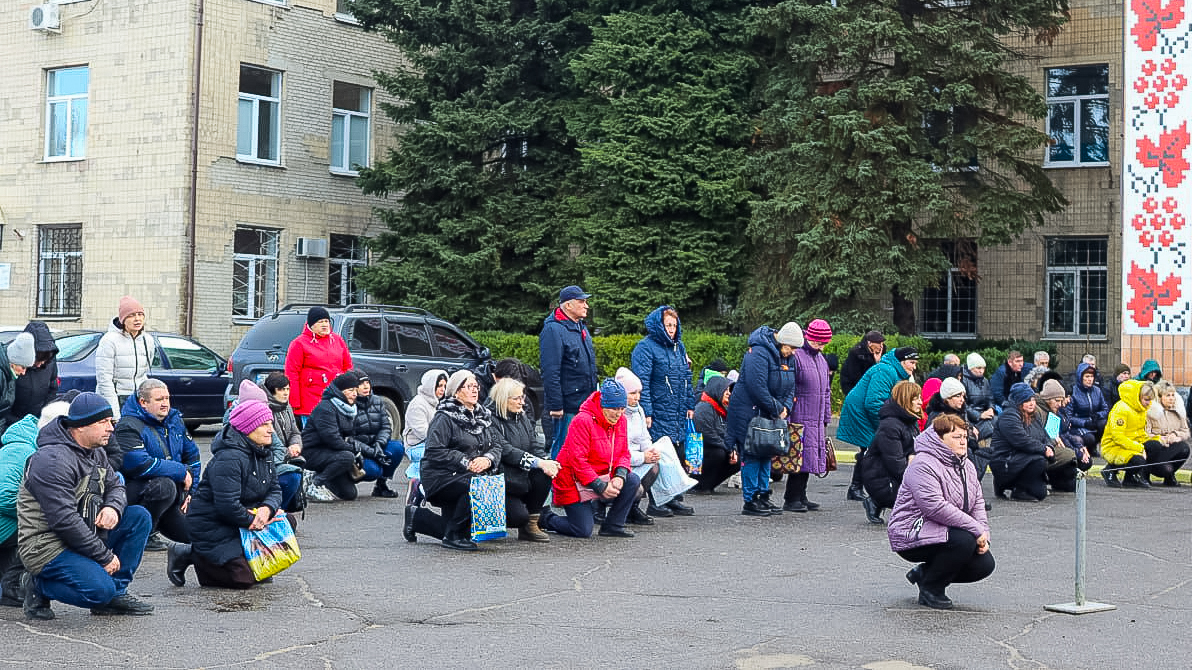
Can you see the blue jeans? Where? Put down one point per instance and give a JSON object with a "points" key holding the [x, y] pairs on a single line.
{"points": [[373, 470], [289, 483], [77, 580], [559, 429], [581, 516], [755, 477]]}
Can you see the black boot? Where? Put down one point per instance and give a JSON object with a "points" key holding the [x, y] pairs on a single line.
{"points": [[639, 518], [1135, 480], [407, 529], [659, 511], [679, 508], [872, 512], [178, 559], [381, 490], [601, 512], [937, 601], [795, 506], [811, 506], [856, 492], [755, 507], [1111, 479], [775, 510], [459, 541], [36, 605]]}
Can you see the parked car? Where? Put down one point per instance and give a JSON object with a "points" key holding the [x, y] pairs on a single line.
{"points": [[195, 375], [393, 345]]}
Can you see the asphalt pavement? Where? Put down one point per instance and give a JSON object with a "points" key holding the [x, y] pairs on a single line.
{"points": [[716, 590]]}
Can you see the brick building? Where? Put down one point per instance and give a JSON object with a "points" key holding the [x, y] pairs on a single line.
{"points": [[198, 155]]}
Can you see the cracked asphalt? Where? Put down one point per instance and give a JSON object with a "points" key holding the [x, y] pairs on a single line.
{"points": [[717, 590]]}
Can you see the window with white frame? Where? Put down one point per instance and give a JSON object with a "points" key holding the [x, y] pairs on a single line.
{"points": [[1077, 286], [258, 129], [949, 149], [350, 106], [60, 270], [66, 112], [950, 309], [1078, 116], [348, 255], [254, 272]]}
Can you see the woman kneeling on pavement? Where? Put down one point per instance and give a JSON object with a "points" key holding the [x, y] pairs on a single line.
{"points": [[653, 461], [893, 444], [238, 490], [287, 439], [329, 443], [1021, 448], [460, 443], [381, 455], [939, 517], [1166, 421], [1126, 445], [1069, 449], [720, 462], [527, 469], [419, 413], [594, 465]]}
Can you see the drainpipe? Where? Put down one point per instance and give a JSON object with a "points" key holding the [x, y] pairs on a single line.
{"points": [[192, 224]]}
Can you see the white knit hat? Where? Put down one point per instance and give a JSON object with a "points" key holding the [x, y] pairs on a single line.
{"points": [[21, 351], [630, 381], [975, 360], [791, 334], [950, 388]]}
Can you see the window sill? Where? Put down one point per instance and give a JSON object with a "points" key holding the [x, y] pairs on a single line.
{"points": [[1054, 166], [246, 160], [59, 318], [1072, 337], [346, 18], [949, 336], [63, 159], [276, 3], [344, 173]]}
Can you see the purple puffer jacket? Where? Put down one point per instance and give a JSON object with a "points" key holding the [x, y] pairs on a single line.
{"points": [[813, 407], [939, 491]]}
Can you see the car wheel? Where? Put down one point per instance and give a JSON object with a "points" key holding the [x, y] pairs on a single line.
{"points": [[394, 417]]}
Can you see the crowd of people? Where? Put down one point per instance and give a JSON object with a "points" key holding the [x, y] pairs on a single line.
{"points": [[90, 481]]}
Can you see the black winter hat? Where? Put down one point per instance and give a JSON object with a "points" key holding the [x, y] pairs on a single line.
{"points": [[317, 314], [347, 380]]}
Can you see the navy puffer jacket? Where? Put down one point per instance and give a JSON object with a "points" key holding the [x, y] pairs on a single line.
{"points": [[661, 363], [765, 388], [372, 425]]}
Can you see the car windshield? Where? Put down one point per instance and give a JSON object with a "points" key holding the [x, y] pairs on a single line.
{"points": [[270, 331], [76, 346]]}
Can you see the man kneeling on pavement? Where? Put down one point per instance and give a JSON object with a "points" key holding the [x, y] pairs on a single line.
{"points": [[79, 541]]}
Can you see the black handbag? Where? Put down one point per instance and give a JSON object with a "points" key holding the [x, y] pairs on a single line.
{"points": [[766, 438]]}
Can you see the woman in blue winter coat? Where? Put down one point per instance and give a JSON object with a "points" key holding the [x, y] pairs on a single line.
{"points": [[765, 388], [1088, 410]]}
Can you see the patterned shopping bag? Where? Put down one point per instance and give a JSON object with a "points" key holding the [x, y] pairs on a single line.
{"points": [[792, 461], [487, 493]]}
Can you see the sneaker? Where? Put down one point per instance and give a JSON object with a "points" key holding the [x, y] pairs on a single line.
{"points": [[36, 605], [124, 604], [156, 543], [318, 492]]}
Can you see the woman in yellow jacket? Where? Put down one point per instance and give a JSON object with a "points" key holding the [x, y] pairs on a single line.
{"points": [[1126, 441]]}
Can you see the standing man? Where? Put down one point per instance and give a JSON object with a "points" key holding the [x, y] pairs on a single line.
{"points": [[568, 363], [77, 538], [1006, 375], [864, 355]]}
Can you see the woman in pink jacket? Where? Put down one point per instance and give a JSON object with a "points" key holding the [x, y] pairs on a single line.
{"points": [[315, 358], [939, 517]]}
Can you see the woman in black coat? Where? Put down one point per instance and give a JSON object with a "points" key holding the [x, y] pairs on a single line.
{"points": [[373, 430], [527, 467], [1021, 448], [238, 490], [329, 442], [39, 385], [892, 446], [720, 462]]}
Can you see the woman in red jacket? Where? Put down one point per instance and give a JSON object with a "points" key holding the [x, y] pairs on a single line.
{"points": [[594, 466], [315, 358]]}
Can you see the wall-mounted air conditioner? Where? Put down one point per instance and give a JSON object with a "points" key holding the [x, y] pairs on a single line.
{"points": [[312, 247], [44, 17]]}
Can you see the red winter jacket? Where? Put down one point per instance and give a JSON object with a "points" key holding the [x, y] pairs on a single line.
{"points": [[593, 448], [311, 363]]}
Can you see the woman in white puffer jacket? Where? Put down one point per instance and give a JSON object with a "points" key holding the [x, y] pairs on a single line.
{"points": [[124, 357]]}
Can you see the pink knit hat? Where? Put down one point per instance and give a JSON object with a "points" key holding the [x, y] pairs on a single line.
{"points": [[250, 391], [248, 416], [128, 307], [818, 331], [630, 381]]}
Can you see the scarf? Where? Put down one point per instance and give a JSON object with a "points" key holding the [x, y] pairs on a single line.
{"points": [[474, 421], [344, 408], [713, 402]]}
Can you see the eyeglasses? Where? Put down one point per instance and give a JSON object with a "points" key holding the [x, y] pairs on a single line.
{"points": [[471, 386], [517, 398]]}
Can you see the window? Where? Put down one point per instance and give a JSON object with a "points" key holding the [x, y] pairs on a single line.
{"points": [[258, 129], [254, 272], [364, 333], [950, 309], [60, 270], [408, 338], [347, 254], [950, 149], [1078, 115], [450, 344], [349, 127], [66, 113], [1077, 286], [343, 7], [185, 354]]}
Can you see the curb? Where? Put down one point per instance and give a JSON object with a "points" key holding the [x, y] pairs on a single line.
{"points": [[1185, 476]]}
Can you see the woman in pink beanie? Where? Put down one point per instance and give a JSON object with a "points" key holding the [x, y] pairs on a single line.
{"points": [[124, 355], [239, 490], [812, 409]]}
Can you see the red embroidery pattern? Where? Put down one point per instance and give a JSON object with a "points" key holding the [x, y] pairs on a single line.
{"points": [[1164, 87], [1154, 16], [1155, 226], [1167, 155], [1150, 293]]}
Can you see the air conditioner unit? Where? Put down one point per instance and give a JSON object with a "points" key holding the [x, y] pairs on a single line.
{"points": [[312, 247], [44, 17]]}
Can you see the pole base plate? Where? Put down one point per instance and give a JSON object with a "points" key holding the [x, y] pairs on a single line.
{"points": [[1079, 608]]}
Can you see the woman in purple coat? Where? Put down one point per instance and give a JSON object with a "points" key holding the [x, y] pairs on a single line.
{"points": [[939, 517], [813, 409]]}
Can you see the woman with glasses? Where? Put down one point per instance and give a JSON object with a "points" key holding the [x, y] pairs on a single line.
{"points": [[528, 471]]}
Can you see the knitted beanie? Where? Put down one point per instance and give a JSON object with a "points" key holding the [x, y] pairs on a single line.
{"points": [[950, 388], [21, 351], [345, 381], [86, 409], [1020, 393], [1052, 390], [456, 380], [791, 335], [818, 331], [975, 360], [248, 416], [612, 394], [128, 307], [250, 391], [630, 381], [316, 314]]}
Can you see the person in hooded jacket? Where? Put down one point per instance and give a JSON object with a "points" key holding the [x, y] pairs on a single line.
{"points": [[813, 409], [1165, 419], [313, 359], [594, 466], [859, 416], [287, 439], [888, 454], [1070, 452], [1126, 444], [124, 355], [15, 360], [239, 490], [717, 368], [1150, 372], [1021, 448], [660, 361], [329, 442], [978, 398], [419, 412], [939, 518], [373, 429], [19, 441], [765, 388], [568, 363], [1087, 411], [39, 385], [720, 462]]}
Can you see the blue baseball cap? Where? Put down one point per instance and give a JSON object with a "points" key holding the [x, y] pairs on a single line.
{"points": [[573, 293]]}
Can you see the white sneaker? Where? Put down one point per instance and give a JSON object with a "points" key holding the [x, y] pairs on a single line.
{"points": [[318, 493]]}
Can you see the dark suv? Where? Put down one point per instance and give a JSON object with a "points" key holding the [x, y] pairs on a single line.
{"points": [[393, 345]]}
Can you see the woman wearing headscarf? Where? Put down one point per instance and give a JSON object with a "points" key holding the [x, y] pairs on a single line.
{"points": [[765, 388], [812, 409], [313, 359], [939, 518], [1166, 421], [238, 490], [419, 412], [886, 459], [124, 355], [1021, 448]]}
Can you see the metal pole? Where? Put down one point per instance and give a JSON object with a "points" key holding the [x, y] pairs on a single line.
{"points": [[1081, 606]]}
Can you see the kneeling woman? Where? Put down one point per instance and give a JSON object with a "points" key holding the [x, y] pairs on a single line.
{"points": [[594, 465], [1021, 448], [891, 449], [238, 490], [527, 469], [939, 518]]}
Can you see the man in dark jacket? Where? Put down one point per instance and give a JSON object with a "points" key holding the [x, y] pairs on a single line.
{"points": [[79, 540], [861, 357], [1006, 375], [158, 458], [329, 442], [39, 385], [568, 362]]}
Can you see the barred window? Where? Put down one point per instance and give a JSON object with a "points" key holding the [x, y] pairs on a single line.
{"points": [[950, 309], [60, 270], [254, 272], [348, 255], [1077, 286]]}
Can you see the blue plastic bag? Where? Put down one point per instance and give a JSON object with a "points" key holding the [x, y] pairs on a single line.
{"points": [[694, 450]]}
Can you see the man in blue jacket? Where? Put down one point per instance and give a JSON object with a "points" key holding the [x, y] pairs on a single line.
{"points": [[568, 363], [157, 457]]}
